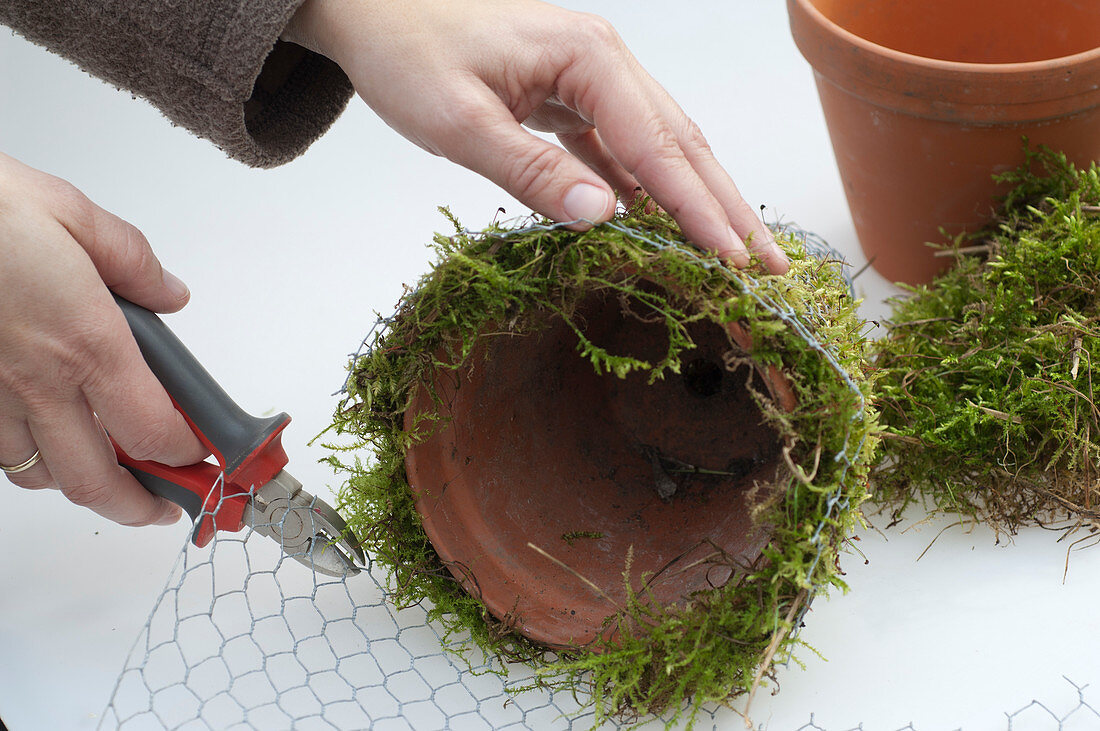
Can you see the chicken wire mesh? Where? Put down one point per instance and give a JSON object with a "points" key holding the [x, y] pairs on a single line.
{"points": [[1035, 716], [244, 636], [1032, 717]]}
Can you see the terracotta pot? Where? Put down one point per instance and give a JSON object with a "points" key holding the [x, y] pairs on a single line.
{"points": [[926, 100], [541, 451]]}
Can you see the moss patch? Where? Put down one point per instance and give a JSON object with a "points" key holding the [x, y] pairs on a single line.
{"points": [[715, 644], [987, 375]]}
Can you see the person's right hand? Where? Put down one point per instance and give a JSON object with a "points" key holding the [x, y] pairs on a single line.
{"points": [[67, 355]]}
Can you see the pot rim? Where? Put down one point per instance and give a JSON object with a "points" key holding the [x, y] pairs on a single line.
{"points": [[994, 92], [968, 67]]}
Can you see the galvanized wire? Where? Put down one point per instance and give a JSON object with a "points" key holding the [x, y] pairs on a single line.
{"points": [[1039, 715], [244, 637]]}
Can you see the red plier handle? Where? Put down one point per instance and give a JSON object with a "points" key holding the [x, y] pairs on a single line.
{"points": [[248, 449]]}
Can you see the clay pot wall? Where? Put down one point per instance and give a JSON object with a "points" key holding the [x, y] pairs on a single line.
{"points": [[926, 101]]}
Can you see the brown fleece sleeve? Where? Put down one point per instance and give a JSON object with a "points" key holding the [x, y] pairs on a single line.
{"points": [[215, 67]]}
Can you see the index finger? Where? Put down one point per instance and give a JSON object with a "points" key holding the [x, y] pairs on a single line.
{"points": [[653, 139]]}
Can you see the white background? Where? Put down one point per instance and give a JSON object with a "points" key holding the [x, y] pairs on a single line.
{"points": [[287, 269]]}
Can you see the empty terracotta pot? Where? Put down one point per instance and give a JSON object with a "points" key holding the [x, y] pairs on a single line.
{"points": [[546, 475], [925, 101]]}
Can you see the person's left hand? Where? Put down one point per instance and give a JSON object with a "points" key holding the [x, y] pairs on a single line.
{"points": [[459, 77]]}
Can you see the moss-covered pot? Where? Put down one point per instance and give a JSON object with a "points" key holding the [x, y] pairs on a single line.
{"points": [[612, 446]]}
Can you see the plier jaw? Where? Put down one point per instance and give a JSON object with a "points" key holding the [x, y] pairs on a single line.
{"points": [[248, 485], [307, 528]]}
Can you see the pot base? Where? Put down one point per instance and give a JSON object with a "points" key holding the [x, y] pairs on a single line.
{"points": [[546, 476]]}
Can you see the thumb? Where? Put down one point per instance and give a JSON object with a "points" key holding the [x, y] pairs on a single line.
{"points": [[121, 254], [541, 175]]}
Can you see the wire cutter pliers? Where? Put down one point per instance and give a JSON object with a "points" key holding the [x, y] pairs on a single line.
{"points": [[248, 486]]}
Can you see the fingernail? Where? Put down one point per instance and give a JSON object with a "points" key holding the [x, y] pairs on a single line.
{"points": [[175, 285], [171, 518], [777, 258], [738, 253], [586, 201]]}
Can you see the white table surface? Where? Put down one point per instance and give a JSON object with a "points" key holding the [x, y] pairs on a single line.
{"points": [[287, 268]]}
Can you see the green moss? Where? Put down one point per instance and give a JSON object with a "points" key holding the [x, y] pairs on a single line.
{"points": [[715, 644], [986, 376]]}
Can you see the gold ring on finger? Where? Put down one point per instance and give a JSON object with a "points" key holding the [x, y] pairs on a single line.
{"points": [[23, 466]]}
